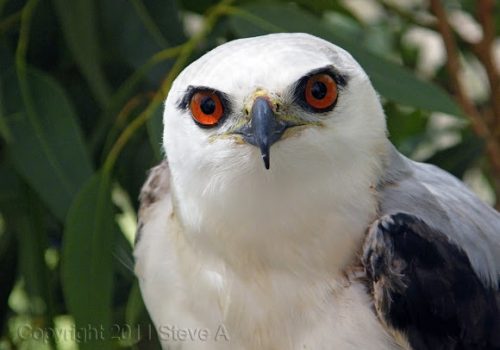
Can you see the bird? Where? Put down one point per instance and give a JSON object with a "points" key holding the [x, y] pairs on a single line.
{"points": [[282, 217]]}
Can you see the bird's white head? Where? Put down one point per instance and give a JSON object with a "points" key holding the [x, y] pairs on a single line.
{"points": [[270, 140]]}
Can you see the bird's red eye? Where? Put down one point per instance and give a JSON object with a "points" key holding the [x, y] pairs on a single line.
{"points": [[321, 91], [206, 108]]}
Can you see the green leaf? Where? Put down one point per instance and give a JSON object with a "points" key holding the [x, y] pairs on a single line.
{"points": [[460, 157], [389, 79], [136, 316], [80, 32], [26, 220], [6, 64], [5, 132], [8, 273], [141, 30], [135, 305], [319, 6], [164, 15], [87, 265], [407, 129], [46, 145], [199, 6], [126, 35], [135, 310], [10, 186]]}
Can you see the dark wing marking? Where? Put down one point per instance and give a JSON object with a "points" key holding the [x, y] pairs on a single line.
{"points": [[442, 201], [155, 188], [425, 287]]}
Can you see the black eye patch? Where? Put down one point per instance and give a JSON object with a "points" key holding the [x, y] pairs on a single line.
{"points": [[304, 90]]}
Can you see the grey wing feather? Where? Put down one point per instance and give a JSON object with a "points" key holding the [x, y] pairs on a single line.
{"points": [[444, 203], [154, 189]]}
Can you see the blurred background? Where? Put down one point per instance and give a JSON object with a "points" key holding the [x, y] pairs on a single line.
{"points": [[81, 88]]}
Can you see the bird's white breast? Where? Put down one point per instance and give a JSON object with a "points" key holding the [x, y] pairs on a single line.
{"points": [[277, 290], [268, 310]]}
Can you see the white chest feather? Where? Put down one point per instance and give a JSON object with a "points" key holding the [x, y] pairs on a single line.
{"points": [[279, 293]]}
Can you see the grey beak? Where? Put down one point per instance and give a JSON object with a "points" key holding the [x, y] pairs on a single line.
{"points": [[264, 129]]}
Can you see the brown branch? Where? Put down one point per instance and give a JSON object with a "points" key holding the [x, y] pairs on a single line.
{"points": [[483, 51], [453, 67], [477, 121]]}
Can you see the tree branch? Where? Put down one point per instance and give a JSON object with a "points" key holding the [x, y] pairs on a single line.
{"points": [[477, 120], [483, 51]]}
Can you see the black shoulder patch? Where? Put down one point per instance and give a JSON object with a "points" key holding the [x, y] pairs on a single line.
{"points": [[424, 286]]}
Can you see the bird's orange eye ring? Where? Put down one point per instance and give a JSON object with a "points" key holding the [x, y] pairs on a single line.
{"points": [[207, 108], [320, 92]]}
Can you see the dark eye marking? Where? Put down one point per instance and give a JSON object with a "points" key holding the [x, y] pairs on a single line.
{"points": [[208, 107], [318, 90], [183, 103]]}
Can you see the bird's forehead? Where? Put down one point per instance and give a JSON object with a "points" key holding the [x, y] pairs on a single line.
{"points": [[271, 62]]}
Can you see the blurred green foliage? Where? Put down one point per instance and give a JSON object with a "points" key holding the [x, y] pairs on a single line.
{"points": [[81, 87]]}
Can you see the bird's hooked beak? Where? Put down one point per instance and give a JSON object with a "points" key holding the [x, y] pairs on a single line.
{"points": [[264, 129]]}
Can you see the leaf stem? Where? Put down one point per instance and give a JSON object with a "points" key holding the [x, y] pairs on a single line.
{"points": [[250, 17], [150, 25], [127, 88], [22, 73]]}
